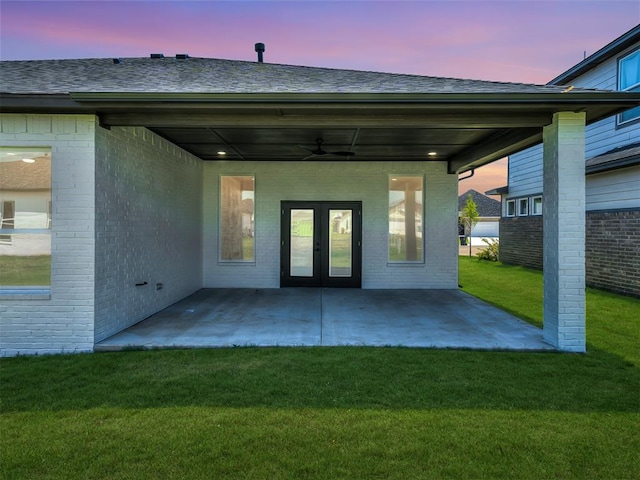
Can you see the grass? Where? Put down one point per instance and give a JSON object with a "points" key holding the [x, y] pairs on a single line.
{"points": [[337, 412], [34, 270]]}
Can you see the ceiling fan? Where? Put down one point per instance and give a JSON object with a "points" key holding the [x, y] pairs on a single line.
{"points": [[318, 151]]}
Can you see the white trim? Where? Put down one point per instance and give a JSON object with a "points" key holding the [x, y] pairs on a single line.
{"points": [[533, 205], [510, 202], [633, 88], [523, 212]]}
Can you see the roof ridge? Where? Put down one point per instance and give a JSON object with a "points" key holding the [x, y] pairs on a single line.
{"points": [[288, 65]]}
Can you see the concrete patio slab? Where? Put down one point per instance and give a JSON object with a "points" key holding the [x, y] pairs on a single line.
{"points": [[330, 317]]}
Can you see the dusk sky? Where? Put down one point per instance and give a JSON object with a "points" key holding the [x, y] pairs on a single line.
{"points": [[509, 40]]}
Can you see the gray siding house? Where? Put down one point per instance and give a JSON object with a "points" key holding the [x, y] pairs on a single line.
{"points": [[168, 175], [612, 169]]}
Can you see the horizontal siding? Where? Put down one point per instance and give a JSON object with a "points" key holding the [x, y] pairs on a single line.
{"points": [[614, 190], [525, 168], [525, 172]]}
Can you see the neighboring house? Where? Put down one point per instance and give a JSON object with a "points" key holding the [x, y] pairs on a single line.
{"points": [[488, 226], [612, 169], [153, 162]]}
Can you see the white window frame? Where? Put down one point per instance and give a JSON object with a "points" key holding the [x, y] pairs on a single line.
{"points": [[523, 212], [635, 87], [533, 205], [510, 212]]}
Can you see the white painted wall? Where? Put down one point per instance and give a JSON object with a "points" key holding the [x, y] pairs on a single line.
{"points": [[348, 181], [60, 320], [148, 226]]}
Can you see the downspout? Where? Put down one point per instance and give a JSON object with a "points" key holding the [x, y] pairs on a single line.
{"points": [[473, 172]]}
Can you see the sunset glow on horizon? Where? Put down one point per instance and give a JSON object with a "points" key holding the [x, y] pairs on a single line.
{"points": [[503, 40]]}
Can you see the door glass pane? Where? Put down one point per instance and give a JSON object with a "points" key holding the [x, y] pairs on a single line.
{"points": [[301, 238], [340, 223]]}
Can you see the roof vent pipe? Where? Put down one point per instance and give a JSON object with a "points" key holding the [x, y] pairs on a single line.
{"points": [[260, 50]]}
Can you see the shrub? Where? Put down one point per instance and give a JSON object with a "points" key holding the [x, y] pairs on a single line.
{"points": [[491, 252]]}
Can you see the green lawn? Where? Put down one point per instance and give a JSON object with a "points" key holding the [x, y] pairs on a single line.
{"points": [[32, 270], [272, 413]]}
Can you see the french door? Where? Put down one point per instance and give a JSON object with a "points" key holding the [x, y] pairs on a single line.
{"points": [[321, 244]]}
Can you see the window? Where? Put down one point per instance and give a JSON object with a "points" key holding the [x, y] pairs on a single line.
{"points": [[629, 80], [405, 219], [523, 207], [25, 217], [536, 205], [511, 208], [237, 222]]}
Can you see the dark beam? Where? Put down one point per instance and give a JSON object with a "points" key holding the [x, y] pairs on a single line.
{"points": [[313, 119], [495, 147]]}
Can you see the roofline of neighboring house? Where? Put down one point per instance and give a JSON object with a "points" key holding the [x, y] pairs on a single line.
{"points": [[613, 165], [498, 191], [605, 53]]}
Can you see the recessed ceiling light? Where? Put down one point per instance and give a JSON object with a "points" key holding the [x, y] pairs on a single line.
{"points": [[432, 154], [28, 160], [221, 152]]}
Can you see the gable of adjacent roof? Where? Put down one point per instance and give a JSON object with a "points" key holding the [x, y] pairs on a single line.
{"points": [[620, 157], [610, 50], [487, 207]]}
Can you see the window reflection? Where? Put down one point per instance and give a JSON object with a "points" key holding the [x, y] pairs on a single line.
{"points": [[25, 217], [237, 218], [405, 219]]}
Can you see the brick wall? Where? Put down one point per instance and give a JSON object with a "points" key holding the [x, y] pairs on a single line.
{"points": [[63, 320], [148, 226], [612, 253], [337, 181], [521, 241]]}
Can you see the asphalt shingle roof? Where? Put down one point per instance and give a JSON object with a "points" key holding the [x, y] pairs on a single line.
{"points": [[487, 207], [209, 75], [26, 176]]}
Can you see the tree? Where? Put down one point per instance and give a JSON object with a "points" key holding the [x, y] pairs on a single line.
{"points": [[469, 218]]}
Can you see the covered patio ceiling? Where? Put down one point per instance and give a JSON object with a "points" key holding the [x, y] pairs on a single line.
{"points": [[466, 130]]}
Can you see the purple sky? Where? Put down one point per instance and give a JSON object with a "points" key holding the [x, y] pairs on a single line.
{"points": [[509, 40]]}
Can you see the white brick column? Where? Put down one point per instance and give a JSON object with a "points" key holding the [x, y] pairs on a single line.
{"points": [[564, 232]]}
